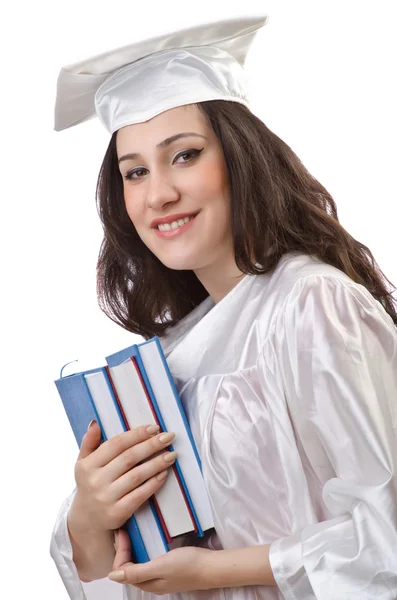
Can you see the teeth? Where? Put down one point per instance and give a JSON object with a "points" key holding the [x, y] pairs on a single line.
{"points": [[174, 224]]}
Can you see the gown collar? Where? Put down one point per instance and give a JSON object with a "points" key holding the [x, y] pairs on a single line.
{"points": [[217, 338], [205, 339]]}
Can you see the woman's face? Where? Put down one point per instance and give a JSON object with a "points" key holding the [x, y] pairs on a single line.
{"points": [[176, 189]]}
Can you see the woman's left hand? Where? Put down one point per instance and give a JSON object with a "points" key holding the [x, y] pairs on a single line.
{"points": [[180, 570]]}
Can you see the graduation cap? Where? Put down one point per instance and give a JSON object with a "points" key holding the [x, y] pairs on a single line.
{"points": [[134, 83]]}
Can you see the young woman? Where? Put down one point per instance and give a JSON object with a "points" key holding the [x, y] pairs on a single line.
{"points": [[279, 330]]}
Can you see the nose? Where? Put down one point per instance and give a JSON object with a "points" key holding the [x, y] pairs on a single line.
{"points": [[160, 192]]}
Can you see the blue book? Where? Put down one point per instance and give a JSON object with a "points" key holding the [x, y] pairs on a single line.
{"points": [[89, 395], [164, 397]]}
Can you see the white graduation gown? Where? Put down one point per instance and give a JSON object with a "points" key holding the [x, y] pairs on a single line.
{"points": [[290, 387]]}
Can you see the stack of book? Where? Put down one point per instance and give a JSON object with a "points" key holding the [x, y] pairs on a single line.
{"points": [[136, 388]]}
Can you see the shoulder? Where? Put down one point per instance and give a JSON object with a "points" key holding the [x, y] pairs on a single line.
{"points": [[295, 271], [302, 276], [325, 310], [312, 295]]}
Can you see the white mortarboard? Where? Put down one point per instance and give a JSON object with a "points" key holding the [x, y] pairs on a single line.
{"points": [[135, 83]]}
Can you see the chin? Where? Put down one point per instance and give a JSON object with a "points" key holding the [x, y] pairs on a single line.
{"points": [[181, 263]]}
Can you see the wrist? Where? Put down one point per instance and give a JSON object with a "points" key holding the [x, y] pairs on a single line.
{"points": [[92, 548], [238, 567], [79, 521]]}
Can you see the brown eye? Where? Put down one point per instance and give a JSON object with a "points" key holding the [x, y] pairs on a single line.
{"points": [[187, 155], [136, 173]]}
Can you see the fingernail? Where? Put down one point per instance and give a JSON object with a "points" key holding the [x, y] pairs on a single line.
{"points": [[161, 476], [91, 423], [118, 576], [170, 457], [165, 438], [152, 429]]}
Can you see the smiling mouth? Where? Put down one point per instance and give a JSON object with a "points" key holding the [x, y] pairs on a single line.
{"points": [[175, 224]]}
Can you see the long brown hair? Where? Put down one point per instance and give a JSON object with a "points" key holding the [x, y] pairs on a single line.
{"points": [[277, 206]]}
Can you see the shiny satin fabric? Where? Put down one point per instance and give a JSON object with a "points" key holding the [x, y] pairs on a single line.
{"points": [[134, 83], [290, 387], [144, 89]]}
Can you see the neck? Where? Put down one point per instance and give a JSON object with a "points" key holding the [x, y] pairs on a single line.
{"points": [[219, 281]]}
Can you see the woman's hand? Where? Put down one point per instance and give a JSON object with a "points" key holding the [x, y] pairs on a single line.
{"points": [[191, 568], [180, 570], [111, 479], [112, 482]]}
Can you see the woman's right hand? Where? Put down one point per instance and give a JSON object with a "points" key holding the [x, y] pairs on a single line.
{"points": [[112, 481]]}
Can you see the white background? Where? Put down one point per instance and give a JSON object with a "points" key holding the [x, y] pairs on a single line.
{"points": [[322, 76]]}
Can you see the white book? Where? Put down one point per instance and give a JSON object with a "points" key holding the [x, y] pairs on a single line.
{"points": [[169, 404], [137, 409]]}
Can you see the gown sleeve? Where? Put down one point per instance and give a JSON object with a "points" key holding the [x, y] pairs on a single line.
{"points": [[61, 553], [101, 589], [336, 354]]}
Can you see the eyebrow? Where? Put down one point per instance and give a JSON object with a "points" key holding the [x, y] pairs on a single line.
{"points": [[163, 144]]}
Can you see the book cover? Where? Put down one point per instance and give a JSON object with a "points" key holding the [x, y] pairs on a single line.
{"points": [[80, 410]]}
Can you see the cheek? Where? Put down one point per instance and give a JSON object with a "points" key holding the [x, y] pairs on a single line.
{"points": [[213, 181], [133, 206]]}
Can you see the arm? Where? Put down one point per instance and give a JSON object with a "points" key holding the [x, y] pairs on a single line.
{"points": [[93, 550], [112, 481], [239, 567], [191, 568], [335, 351], [62, 554]]}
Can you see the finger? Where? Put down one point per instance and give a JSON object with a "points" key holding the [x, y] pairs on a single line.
{"points": [[131, 457], [138, 475], [154, 586], [133, 500], [135, 573], [119, 443], [123, 549], [91, 440]]}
